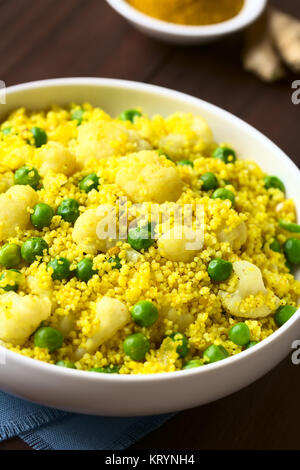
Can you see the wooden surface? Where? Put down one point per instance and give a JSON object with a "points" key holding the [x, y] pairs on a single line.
{"points": [[54, 38]]}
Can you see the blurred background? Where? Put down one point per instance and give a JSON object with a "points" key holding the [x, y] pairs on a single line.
{"points": [[52, 38]]}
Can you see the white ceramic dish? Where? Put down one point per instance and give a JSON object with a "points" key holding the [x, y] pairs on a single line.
{"points": [[105, 394], [179, 34]]}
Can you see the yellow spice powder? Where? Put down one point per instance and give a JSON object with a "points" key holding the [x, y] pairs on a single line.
{"points": [[189, 12]]}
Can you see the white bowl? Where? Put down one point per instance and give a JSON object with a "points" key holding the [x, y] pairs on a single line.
{"points": [[120, 395], [180, 34]]}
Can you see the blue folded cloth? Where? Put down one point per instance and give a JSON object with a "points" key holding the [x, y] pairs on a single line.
{"points": [[48, 429]]}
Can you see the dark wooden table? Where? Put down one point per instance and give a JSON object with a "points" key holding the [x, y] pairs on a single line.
{"points": [[54, 38]]}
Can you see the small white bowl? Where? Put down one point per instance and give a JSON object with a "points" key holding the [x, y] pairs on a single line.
{"points": [[180, 34], [125, 395]]}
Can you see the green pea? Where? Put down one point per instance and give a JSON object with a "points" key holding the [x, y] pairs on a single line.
{"points": [[289, 226], [89, 182], [10, 280], [106, 370], [39, 136], [251, 344], [144, 313], [183, 344], [275, 246], [209, 181], [219, 270], [139, 238], [274, 182], [130, 115], [223, 193], [288, 266], [67, 364], [77, 115], [6, 130], [48, 338], [226, 154], [215, 353], [136, 346], [27, 175], [84, 270], [239, 334], [284, 313], [151, 227], [10, 255], [292, 250], [225, 352], [61, 269], [116, 262], [193, 364], [33, 248], [69, 210], [42, 216], [186, 163]]}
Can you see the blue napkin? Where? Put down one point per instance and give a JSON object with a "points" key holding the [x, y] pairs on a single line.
{"points": [[48, 429]]}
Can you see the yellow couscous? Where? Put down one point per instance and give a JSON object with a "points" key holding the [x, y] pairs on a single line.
{"points": [[99, 268]]}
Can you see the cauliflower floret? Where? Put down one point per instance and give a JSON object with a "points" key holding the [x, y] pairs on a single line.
{"points": [[21, 316], [66, 324], [106, 139], [93, 229], [57, 158], [6, 181], [144, 178], [180, 243], [236, 237], [42, 285], [14, 156], [187, 135], [112, 315], [182, 320], [251, 299], [132, 256], [14, 210]]}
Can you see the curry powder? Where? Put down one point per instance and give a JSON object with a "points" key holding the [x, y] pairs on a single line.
{"points": [[189, 12]]}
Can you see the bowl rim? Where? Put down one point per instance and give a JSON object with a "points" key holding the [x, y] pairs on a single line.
{"points": [[248, 14], [151, 89]]}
